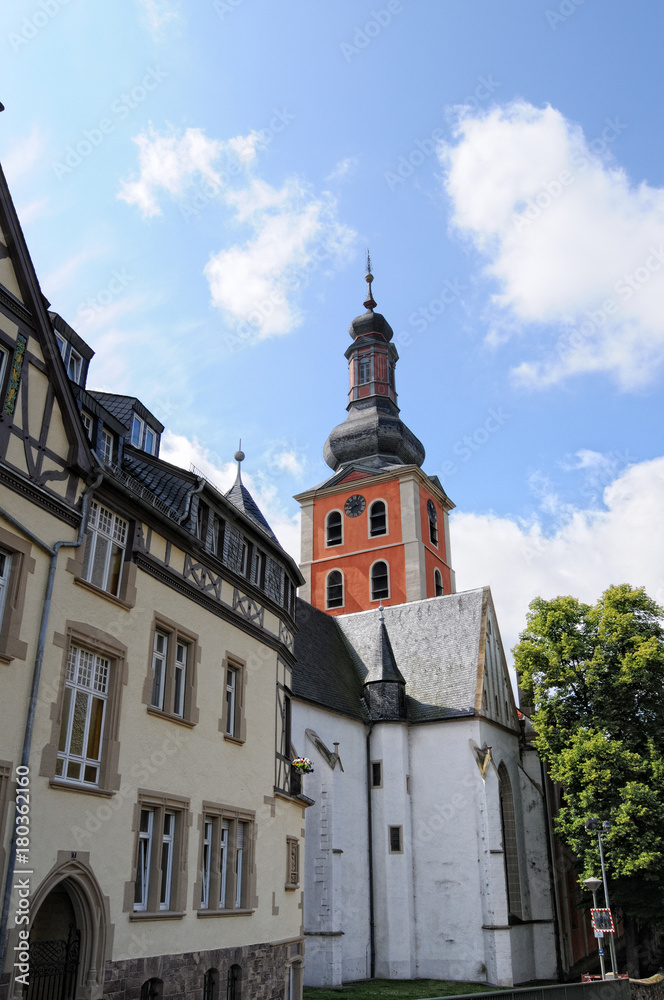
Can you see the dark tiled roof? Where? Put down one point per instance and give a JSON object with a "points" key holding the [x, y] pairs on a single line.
{"points": [[168, 483], [241, 498], [325, 672], [436, 645], [123, 406]]}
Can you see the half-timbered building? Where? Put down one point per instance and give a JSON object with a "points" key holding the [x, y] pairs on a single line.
{"points": [[150, 830]]}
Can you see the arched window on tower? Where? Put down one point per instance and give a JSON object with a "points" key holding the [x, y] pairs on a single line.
{"points": [[433, 522], [334, 589], [364, 370], [510, 852], [437, 583], [378, 518], [380, 581], [334, 528]]}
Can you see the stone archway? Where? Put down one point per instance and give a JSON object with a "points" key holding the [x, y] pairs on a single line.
{"points": [[68, 903]]}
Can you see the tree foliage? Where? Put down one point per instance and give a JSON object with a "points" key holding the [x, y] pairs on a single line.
{"points": [[595, 677]]}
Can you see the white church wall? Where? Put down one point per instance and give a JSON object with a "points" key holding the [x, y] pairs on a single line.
{"points": [[394, 917], [336, 857]]}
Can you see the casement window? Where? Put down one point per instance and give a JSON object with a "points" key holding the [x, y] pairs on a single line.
{"points": [[380, 581], [202, 516], [142, 435], [227, 859], [217, 536], [62, 346], [158, 884], [106, 446], [334, 589], [286, 778], [172, 666], [395, 839], [232, 723], [4, 354], [289, 595], [437, 583], [87, 423], [433, 522], [5, 572], [244, 555], [364, 370], [75, 366], [258, 568], [292, 863], [84, 713], [106, 537], [378, 518], [334, 528]]}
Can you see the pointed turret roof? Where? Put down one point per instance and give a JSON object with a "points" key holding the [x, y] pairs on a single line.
{"points": [[241, 498], [382, 666]]}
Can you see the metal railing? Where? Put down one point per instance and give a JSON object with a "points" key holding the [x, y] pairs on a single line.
{"points": [[137, 487], [609, 989]]}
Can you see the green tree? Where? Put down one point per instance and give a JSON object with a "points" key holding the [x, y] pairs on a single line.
{"points": [[595, 678]]}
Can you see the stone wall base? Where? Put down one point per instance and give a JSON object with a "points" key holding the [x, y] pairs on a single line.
{"points": [[263, 973]]}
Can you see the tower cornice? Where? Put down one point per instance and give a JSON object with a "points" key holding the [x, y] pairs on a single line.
{"points": [[400, 472]]}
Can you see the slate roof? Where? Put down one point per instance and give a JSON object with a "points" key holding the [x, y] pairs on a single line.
{"points": [[241, 498], [381, 664], [325, 672], [122, 407], [167, 482], [435, 644]]}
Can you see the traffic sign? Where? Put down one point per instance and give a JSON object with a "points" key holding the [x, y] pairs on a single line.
{"points": [[602, 921]]}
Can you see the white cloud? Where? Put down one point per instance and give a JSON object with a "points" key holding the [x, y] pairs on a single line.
{"points": [[344, 168], [589, 550], [158, 13], [181, 451], [291, 232], [23, 156], [572, 244], [55, 281]]}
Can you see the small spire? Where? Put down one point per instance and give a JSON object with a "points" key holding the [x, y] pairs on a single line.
{"points": [[239, 458], [369, 302], [381, 612]]}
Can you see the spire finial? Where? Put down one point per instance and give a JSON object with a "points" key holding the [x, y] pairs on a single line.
{"points": [[239, 458], [381, 612], [369, 303]]}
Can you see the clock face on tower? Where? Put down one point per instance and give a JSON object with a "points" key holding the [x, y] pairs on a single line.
{"points": [[355, 505]]}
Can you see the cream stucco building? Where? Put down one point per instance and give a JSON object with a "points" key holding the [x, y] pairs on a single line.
{"points": [[150, 832]]}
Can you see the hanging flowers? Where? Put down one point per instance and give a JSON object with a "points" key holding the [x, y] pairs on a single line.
{"points": [[303, 765]]}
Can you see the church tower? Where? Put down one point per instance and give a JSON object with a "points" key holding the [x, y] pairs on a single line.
{"points": [[377, 530]]}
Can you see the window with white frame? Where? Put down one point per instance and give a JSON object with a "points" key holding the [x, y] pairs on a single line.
{"points": [[217, 536], [232, 702], [378, 518], [106, 538], [171, 661], [4, 354], [5, 571], [75, 366], [334, 528], [160, 851], [142, 435], [244, 554], [334, 589], [364, 370], [226, 882], [380, 581], [106, 446], [87, 423], [258, 570], [83, 717]]}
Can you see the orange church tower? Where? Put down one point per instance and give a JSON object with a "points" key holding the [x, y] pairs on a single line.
{"points": [[377, 530]]}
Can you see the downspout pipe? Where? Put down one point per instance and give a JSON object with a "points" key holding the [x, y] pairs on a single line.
{"points": [[36, 675], [198, 488]]}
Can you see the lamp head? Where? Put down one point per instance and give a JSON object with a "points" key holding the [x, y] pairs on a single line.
{"points": [[591, 824], [592, 884]]}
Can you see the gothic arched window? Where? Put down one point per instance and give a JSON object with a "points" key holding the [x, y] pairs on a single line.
{"points": [[510, 852], [211, 985], [437, 583], [378, 518], [433, 522], [334, 528], [234, 983], [334, 589], [380, 581]]}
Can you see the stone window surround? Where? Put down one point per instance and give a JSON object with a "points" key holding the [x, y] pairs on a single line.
{"points": [[126, 597], [334, 545], [218, 811], [328, 606], [22, 563], [160, 802], [385, 597], [96, 641], [381, 534], [292, 864], [233, 662], [175, 632]]}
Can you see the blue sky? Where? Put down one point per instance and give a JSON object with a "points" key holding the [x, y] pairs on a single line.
{"points": [[198, 184]]}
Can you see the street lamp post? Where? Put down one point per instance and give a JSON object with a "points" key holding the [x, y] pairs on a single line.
{"points": [[592, 825], [593, 884]]}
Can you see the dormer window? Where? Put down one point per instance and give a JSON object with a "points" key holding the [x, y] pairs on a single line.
{"points": [[106, 446], [75, 366], [143, 436], [87, 423]]}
